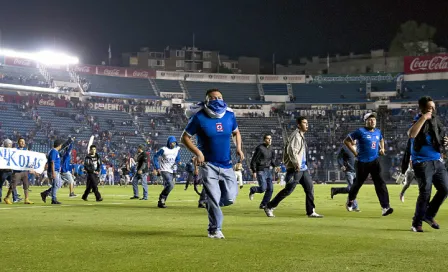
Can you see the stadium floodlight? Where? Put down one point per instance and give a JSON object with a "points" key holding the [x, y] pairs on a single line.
{"points": [[44, 57]]}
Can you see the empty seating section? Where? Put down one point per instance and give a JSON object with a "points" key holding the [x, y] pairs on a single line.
{"points": [[329, 93], [171, 86], [384, 87], [413, 90], [119, 85], [14, 120], [275, 89], [59, 75], [21, 76], [232, 92]]}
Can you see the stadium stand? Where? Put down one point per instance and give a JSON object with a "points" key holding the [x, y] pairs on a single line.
{"points": [[329, 93], [232, 92], [21, 76], [119, 85], [275, 89], [172, 86]]}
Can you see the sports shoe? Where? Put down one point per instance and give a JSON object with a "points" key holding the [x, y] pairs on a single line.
{"points": [[387, 211], [18, 200], [417, 229], [332, 192], [202, 206], [55, 202], [134, 197], [251, 196], [402, 198], [161, 205], [241, 187], [349, 206], [7, 201], [99, 200], [356, 209], [432, 223], [84, 198], [315, 215], [27, 201], [269, 212], [144, 198], [43, 195], [72, 195], [216, 235], [262, 206]]}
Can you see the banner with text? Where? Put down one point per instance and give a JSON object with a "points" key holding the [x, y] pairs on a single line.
{"points": [[24, 160], [426, 64], [281, 79], [106, 106], [140, 73], [172, 95], [111, 71], [20, 62], [357, 78], [315, 112], [204, 77]]}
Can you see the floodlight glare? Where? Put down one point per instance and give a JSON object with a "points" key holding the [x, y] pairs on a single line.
{"points": [[45, 57]]}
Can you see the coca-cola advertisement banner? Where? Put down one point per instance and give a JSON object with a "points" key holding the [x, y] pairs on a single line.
{"points": [[20, 62], [52, 102], [140, 73], [84, 69], [426, 64], [111, 71]]}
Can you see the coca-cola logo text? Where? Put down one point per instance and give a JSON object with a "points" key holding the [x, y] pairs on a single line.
{"points": [[82, 69], [43, 102], [429, 64], [140, 74], [112, 72], [22, 62]]}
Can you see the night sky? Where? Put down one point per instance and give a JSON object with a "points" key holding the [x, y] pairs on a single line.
{"points": [[291, 28]]}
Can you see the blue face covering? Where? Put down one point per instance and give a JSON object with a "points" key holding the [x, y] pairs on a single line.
{"points": [[217, 106]]}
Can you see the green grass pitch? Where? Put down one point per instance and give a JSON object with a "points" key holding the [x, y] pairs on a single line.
{"points": [[119, 234]]}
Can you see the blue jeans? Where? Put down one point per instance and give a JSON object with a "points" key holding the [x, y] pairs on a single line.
{"points": [[168, 185], [55, 185], [221, 189], [265, 186], [7, 176], [350, 177], [144, 180]]}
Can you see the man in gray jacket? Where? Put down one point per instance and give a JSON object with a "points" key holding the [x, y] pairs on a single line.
{"points": [[294, 156]]}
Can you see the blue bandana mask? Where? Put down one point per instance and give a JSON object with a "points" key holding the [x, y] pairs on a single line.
{"points": [[216, 108]]}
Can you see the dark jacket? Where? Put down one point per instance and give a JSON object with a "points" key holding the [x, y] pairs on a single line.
{"points": [[142, 162], [406, 157], [346, 158], [262, 158], [434, 128], [92, 163]]}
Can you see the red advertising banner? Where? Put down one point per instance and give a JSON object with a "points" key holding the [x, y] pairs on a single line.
{"points": [[140, 73], [85, 69], [20, 62], [111, 71], [426, 64]]}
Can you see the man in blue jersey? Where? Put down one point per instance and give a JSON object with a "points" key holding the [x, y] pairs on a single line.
{"points": [[346, 162], [294, 156], [54, 169], [370, 145], [66, 168], [214, 124], [428, 138], [169, 157], [103, 174]]}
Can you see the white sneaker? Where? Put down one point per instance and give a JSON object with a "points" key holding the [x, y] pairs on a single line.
{"points": [[251, 196], [349, 208], [216, 235], [402, 198], [315, 215], [387, 211], [269, 212]]}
